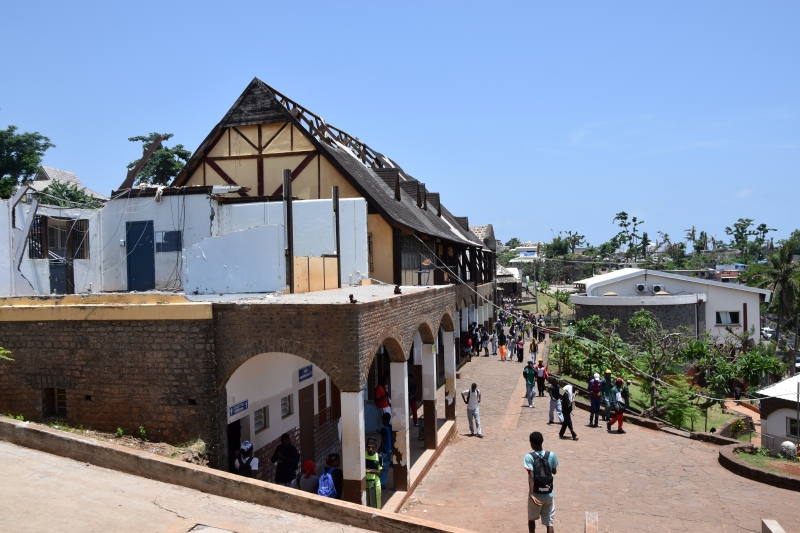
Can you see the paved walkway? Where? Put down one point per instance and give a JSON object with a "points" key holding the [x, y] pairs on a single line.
{"points": [[40, 492], [644, 480]]}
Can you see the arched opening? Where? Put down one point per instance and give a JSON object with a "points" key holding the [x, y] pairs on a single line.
{"points": [[272, 394]]}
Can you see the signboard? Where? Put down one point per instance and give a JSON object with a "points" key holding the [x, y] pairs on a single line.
{"points": [[238, 408], [305, 372]]}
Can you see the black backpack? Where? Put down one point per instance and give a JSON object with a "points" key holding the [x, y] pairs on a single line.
{"points": [[244, 467], [542, 474]]}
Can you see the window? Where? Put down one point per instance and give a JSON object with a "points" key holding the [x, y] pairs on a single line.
{"points": [[54, 402], [168, 241], [369, 253], [262, 418], [80, 239], [37, 239], [727, 318], [791, 427], [287, 406]]}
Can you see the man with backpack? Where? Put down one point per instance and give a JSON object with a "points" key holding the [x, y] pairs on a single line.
{"points": [[618, 407], [541, 466], [332, 478], [246, 464], [472, 398], [595, 397]]}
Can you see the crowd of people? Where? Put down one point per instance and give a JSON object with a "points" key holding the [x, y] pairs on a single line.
{"points": [[608, 397]]}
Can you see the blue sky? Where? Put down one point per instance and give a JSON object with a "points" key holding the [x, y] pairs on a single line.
{"points": [[536, 117]]}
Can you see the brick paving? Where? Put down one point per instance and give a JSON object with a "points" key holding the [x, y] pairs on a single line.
{"points": [[644, 480]]}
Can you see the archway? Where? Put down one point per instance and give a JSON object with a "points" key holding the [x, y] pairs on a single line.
{"points": [[276, 393]]}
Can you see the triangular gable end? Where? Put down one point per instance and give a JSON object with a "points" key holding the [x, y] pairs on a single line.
{"points": [[256, 105]]}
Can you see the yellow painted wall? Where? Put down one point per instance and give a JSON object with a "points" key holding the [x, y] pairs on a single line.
{"points": [[315, 181], [329, 177], [382, 248]]}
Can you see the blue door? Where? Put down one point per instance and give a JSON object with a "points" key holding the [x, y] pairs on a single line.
{"points": [[140, 248]]}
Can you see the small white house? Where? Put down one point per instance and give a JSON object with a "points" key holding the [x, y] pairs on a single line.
{"points": [[779, 413], [699, 304]]}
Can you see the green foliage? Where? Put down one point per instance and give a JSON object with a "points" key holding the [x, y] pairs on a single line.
{"points": [[506, 257], [69, 195], [142, 433], [763, 451], [513, 242], [758, 363], [782, 276], [20, 157], [120, 432], [558, 248], [740, 238], [738, 427], [4, 354], [165, 163], [678, 402], [20, 417]]}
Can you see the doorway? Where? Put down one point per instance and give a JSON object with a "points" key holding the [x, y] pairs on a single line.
{"points": [[307, 444], [140, 249], [234, 442]]}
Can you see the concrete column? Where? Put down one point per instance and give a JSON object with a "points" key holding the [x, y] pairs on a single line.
{"points": [[450, 391], [429, 395], [472, 313], [353, 448], [401, 450], [464, 319]]}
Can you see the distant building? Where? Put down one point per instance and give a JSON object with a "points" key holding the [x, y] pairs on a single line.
{"points": [[701, 305], [48, 175], [779, 413]]}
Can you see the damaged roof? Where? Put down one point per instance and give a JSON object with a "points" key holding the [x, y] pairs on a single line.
{"points": [[47, 175], [416, 210]]}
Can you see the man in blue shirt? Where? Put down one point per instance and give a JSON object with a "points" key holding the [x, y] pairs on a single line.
{"points": [[540, 502]]}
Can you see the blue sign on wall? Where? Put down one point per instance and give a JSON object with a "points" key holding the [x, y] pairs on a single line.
{"points": [[238, 408], [305, 372]]}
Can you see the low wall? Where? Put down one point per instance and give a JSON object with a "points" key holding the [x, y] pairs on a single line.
{"points": [[728, 459], [210, 481], [713, 438]]}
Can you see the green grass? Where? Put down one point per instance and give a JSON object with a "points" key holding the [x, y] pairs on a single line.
{"points": [[543, 299], [767, 463]]}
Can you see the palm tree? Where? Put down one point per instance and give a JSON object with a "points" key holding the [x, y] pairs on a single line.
{"points": [[783, 278]]}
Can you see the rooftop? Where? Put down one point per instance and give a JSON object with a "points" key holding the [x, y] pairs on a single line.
{"points": [[47, 175]]}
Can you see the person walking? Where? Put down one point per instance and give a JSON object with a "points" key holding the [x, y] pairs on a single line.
{"points": [[512, 343], [472, 398], [501, 340], [555, 402], [385, 450], [595, 397], [485, 341], [619, 407], [540, 466], [609, 396], [493, 340], [286, 458], [533, 347], [520, 348], [626, 395], [567, 400], [373, 465], [382, 401], [541, 376], [529, 373]]}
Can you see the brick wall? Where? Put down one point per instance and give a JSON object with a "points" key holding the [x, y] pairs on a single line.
{"points": [[670, 316], [116, 374], [170, 376]]}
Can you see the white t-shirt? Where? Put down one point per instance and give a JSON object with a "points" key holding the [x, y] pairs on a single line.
{"points": [[472, 403], [540, 371], [253, 465]]}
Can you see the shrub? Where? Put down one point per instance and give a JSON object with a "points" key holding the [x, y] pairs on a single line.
{"points": [[120, 432]]}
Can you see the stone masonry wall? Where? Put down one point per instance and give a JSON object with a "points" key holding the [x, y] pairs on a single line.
{"points": [[670, 316], [117, 374]]}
